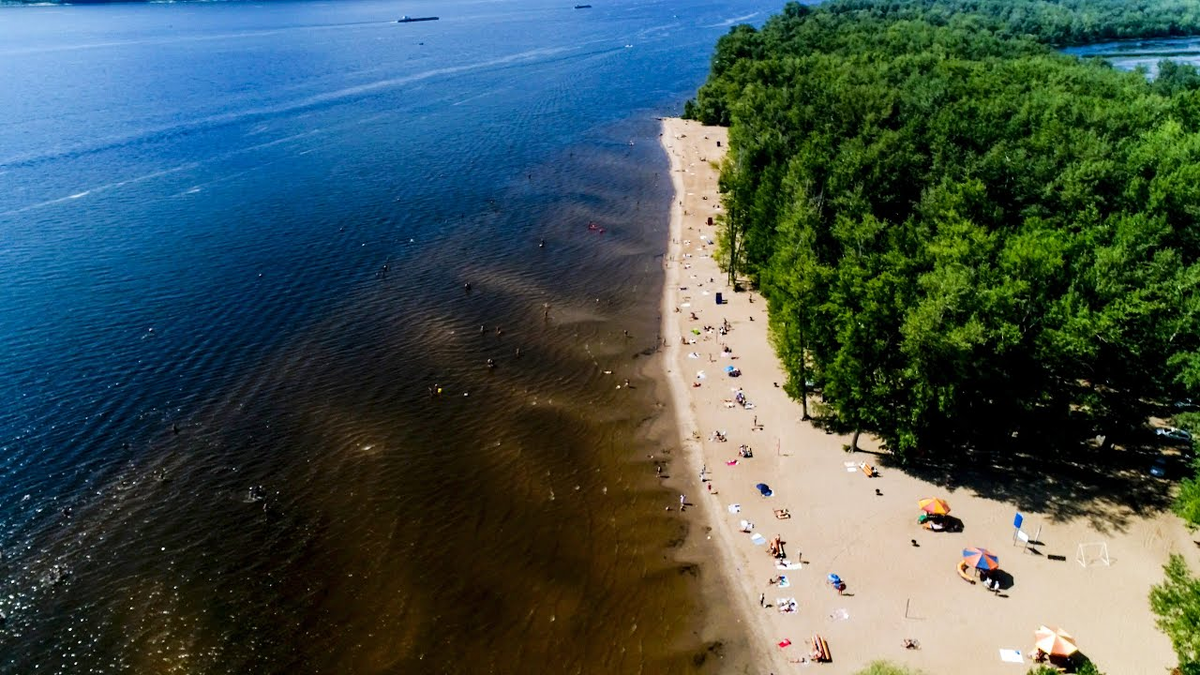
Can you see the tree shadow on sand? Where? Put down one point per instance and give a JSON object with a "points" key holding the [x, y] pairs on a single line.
{"points": [[1106, 483]]}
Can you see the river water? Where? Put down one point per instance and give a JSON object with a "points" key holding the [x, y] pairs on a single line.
{"points": [[234, 244], [1145, 54]]}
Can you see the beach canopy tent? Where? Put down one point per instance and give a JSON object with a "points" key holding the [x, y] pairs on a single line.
{"points": [[764, 489], [981, 558], [934, 506], [1054, 641]]}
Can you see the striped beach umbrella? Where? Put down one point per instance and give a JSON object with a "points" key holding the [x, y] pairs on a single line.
{"points": [[934, 506], [981, 558], [1054, 641]]}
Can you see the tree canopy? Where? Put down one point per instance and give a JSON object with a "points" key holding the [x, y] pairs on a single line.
{"points": [[1176, 601], [963, 234]]}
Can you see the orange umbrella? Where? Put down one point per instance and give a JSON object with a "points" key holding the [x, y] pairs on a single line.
{"points": [[981, 558], [934, 506], [1054, 641]]}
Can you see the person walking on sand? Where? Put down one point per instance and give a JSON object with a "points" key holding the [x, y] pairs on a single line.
{"points": [[682, 502], [762, 599]]}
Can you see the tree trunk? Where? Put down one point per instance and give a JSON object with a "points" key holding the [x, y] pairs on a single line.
{"points": [[854, 440]]}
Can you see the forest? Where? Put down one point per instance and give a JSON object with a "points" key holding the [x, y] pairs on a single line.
{"points": [[966, 237]]}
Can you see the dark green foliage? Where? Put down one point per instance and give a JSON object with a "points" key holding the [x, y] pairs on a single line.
{"points": [[1176, 601], [1187, 502], [961, 233]]}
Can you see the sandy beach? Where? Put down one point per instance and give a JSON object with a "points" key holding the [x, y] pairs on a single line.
{"points": [[901, 581]]}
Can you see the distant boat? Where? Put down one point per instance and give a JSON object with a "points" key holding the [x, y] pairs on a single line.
{"points": [[583, 6], [411, 19]]}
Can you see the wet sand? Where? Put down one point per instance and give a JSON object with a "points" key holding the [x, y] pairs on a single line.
{"points": [[863, 528]]}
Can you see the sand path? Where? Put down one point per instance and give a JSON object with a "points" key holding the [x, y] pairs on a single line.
{"points": [[840, 524]]}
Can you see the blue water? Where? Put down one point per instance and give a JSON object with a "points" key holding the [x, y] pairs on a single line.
{"points": [[234, 240], [1144, 54]]}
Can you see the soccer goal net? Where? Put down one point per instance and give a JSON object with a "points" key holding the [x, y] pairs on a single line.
{"points": [[1090, 554]]}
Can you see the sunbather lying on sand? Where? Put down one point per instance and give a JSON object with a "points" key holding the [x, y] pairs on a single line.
{"points": [[782, 514]]}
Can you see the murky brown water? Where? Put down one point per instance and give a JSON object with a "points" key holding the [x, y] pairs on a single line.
{"points": [[328, 514]]}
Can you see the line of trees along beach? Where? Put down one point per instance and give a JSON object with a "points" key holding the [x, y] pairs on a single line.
{"points": [[970, 243]]}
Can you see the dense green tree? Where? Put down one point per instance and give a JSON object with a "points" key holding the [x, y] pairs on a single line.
{"points": [[1176, 601], [1187, 502], [962, 233]]}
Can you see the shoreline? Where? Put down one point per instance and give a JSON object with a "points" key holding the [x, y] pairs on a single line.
{"points": [[689, 433], [902, 580]]}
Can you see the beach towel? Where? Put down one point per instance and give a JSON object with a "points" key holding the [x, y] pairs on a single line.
{"points": [[1011, 656], [783, 582], [746, 526], [785, 643], [734, 508], [732, 462], [787, 565], [694, 355], [758, 539]]}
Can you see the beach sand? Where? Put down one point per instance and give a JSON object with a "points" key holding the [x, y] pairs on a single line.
{"points": [[841, 525]]}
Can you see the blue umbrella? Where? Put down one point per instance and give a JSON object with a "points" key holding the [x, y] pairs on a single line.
{"points": [[764, 489], [729, 369]]}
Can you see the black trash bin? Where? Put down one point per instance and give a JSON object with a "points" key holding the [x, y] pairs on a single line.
{"points": [[720, 299]]}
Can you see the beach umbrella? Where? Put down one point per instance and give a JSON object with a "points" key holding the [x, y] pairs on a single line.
{"points": [[764, 489], [934, 506], [1054, 641], [981, 558]]}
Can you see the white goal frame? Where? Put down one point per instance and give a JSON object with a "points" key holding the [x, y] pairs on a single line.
{"points": [[1092, 552]]}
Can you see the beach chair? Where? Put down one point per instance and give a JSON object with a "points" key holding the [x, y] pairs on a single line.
{"points": [[868, 470], [820, 650]]}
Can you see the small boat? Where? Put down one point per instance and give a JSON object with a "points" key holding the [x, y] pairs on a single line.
{"points": [[583, 6], [412, 19]]}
